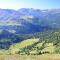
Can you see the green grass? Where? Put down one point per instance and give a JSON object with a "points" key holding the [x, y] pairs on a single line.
{"points": [[25, 43], [30, 46], [49, 47]]}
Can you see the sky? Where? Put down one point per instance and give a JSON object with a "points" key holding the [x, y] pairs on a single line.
{"points": [[36, 4]]}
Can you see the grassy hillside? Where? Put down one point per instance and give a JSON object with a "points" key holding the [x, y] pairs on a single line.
{"points": [[36, 44], [39, 43], [24, 44], [32, 47]]}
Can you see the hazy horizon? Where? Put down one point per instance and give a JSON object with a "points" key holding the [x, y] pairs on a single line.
{"points": [[36, 4]]}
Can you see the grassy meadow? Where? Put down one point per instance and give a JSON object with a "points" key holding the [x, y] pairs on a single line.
{"points": [[30, 57], [12, 54], [42, 46]]}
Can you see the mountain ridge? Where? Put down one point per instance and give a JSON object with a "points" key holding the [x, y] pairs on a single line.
{"points": [[26, 18]]}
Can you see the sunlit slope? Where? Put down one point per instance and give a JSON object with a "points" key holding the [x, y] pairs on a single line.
{"points": [[23, 44], [32, 46]]}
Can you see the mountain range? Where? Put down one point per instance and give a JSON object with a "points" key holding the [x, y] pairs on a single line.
{"points": [[27, 20], [19, 25]]}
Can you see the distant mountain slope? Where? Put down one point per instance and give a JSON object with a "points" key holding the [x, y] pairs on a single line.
{"points": [[29, 20]]}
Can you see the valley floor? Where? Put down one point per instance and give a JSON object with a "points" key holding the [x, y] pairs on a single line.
{"points": [[31, 57]]}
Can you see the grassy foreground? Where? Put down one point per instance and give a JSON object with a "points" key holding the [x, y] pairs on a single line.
{"points": [[30, 57]]}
